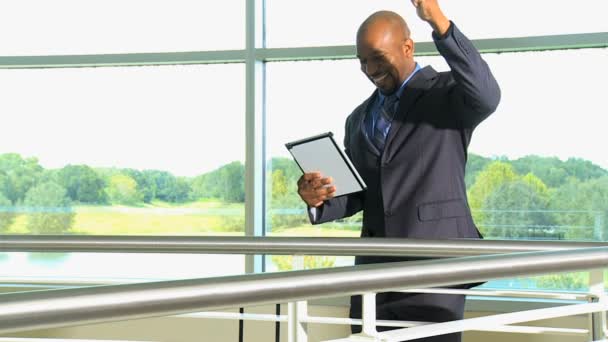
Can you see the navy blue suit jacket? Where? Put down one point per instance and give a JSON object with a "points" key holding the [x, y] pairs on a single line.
{"points": [[416, 186]]}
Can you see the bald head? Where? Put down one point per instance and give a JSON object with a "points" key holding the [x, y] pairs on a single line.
{"points": [[387, 21], [385, 50]]}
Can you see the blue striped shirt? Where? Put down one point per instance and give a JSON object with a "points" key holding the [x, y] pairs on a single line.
{"points": [[375, 107]]}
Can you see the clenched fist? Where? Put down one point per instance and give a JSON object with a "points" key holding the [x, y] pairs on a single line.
{"points": [[314, 189], [429, 11]]}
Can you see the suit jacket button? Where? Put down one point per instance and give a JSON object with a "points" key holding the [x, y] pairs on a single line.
{"points": [[388, 213]]}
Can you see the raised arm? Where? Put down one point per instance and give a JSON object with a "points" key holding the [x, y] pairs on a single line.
{"points": [[477, 93]]}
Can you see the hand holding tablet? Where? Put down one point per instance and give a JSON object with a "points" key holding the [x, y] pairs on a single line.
{"points": [[333, 168]]}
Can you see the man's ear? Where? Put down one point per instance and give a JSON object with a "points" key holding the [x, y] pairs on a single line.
{"points": [[408, 48]]}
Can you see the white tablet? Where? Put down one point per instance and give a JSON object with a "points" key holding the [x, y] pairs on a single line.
{"points": [[321, 153]]}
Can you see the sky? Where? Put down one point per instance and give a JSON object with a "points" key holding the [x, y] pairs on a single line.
{"points": [[190, 119]]}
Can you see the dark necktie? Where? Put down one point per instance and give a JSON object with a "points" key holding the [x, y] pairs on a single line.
{"points": [[383, 122]]}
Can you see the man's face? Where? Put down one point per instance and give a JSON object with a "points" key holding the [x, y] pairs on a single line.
{"points": [[386, 57]]}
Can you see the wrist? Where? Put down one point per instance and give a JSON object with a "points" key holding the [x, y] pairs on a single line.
{"points": [[440, 23]]}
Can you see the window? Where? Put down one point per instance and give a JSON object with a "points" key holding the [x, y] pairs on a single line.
{"points": [[122, 151]]}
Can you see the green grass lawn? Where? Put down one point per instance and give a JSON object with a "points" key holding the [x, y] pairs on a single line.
{"points": [[316, 231], [160, 218]]}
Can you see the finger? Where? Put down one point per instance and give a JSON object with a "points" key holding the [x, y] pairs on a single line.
{"points": [[323, 191], [317, 183], [331, 191], [312, 175], [327, 180]]}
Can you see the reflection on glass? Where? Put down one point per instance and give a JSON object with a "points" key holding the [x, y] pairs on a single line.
{"points": [[297, 23], [535, 171], [117, 267], [49, 259]]}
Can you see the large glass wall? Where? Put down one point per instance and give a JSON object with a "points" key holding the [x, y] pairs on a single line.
{"points": [[160, 150]]}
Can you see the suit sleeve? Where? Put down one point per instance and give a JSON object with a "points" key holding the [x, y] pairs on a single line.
{"points": [[476, 93], [340, 207]]}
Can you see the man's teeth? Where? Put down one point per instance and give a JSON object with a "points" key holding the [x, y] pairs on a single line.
{"points": [[380, 78]]}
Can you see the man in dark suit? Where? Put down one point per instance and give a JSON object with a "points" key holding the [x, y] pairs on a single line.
{"points": [[409, 142]]}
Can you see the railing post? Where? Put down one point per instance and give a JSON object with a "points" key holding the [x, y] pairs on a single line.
{"points": [[598, 319], [297, 331], [369, 315], [296, 311]]}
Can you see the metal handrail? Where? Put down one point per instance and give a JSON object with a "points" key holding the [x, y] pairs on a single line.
{"points": [[279, 245], [57, 308]]}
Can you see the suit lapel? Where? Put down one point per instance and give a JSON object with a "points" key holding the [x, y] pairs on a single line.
{"points": [[414, 89]]}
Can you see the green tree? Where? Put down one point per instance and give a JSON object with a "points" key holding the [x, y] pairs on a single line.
{"points": [[518, 209], [584, 169], [285, 262], [549, 169], [226, 183], [154, 184], [287, 207], [181, 190], [82, 183], [7, 213], [555, 172], [145, 183], [201, 187], [232, 177], [19, 175], [574, 281], [582, 207], [279, 184], [48, 208], [165, 186], [487, 181], [165, 183], [475, 164], [122, 189]]}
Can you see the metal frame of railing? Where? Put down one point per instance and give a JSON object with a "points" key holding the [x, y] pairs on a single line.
{"points": [[110, 303], [280, 245]]}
